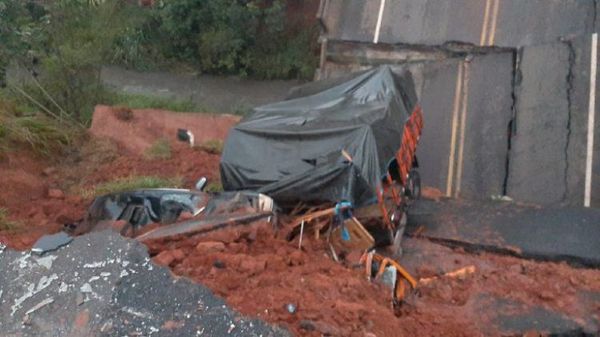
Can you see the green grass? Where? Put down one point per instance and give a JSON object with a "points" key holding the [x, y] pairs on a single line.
{"points": [[214, 187], [140, 101], [161, 149], [44, 135], [5, 223], [132, 183], [214, 146]]}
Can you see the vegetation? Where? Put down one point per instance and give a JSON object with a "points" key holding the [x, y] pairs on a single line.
{"points": [[5, 223], [214, 187], [235, 37], [62, 45], [19, 124], [131, 183], [214, 146], [161, 149], [139, 101]]}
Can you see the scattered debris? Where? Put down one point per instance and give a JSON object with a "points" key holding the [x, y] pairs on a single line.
{"points": [[459, 273], [291, 308], [193, 227], [185, 136], [133, 212], [40, 305], [377, 265], [48, 243]]}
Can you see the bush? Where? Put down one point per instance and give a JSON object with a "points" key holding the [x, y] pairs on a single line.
{"points": [[74, 38], [214, 187], [232, 37], [161, 149], [214, 146], [42, 134], [64, 43], [20, 32], [80, 39], [132, 183]]}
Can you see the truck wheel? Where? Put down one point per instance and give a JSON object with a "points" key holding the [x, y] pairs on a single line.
{"points": [[395, 249], [413, 185]]}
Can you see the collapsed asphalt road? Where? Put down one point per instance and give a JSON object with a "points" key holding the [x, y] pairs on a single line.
{"points": [[104, 285], [532, 232]]}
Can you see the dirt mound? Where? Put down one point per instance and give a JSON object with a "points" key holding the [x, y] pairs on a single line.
{"points": [[137, 130], [40, 194], [27, 195], [260, 274], [243, 264]]}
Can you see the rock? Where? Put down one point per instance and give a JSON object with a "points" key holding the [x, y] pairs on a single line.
{"points": [[55, 193], [307, 325], [164, 258], [516, 268], [546, 295], [253, 266], [236, 247], [210, 247], [219, 264], [178, 254], [167, 257], [48, 171], [327, 329], [252, 235], [296, 258], [65, 218]]}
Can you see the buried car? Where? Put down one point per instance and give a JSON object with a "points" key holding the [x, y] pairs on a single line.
{"points": [[138, 211], [351, 144]]}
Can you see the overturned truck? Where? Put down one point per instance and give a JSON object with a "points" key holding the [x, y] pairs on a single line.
{"points": [[351, 144]]}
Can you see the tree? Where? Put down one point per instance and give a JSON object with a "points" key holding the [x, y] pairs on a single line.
{"points": [[21, 25]]}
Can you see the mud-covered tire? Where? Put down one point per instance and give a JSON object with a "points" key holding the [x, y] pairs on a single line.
{"points": [[413, 185], [395, 248]]}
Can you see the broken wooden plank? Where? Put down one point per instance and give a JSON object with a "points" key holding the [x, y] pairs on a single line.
{"points": [[360, 238], [193, 227]]}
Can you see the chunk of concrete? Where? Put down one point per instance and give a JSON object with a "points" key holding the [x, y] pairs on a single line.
{"points": [[538, 157], [51, 242], [489, 111]]}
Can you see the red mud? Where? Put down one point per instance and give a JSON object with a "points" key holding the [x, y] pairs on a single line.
{"points": [[136, 130], [259, 274], [26, 179]]}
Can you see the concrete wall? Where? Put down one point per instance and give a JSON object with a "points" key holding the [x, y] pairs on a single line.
{"points": [[528, 66]]}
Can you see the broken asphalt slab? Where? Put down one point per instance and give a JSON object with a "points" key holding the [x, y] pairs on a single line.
{"points": [[546, 234], [104, 285]]}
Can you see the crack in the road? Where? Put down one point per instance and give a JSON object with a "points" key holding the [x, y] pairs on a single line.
{"points": [[512, 125], [569, 92]]}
